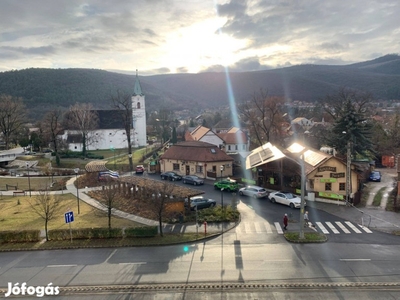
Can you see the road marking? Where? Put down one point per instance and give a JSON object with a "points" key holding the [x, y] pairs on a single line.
{"points": [[278, 227], [257, 226], [322, 227], [366, 229], [238, 230], [353, 227], [355, 259], [333, 228], [267, 227], [341, 226], [135, 263], [61, 266], [247, 228], [112, 253]]}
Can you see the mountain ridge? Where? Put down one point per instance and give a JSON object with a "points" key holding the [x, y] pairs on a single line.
{"points": [[50, 88]]}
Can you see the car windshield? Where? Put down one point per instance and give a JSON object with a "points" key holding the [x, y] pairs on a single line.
{"points": [[290, 195]]}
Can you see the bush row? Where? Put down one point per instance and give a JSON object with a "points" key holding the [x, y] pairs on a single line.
{"points": [[102, 233], [19, 236]]}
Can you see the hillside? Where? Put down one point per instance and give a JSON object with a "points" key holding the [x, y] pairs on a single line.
{"points": [[43, 89]]}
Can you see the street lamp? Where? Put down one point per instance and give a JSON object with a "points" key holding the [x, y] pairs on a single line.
{"points": [[302, 203], [348, 170], [29, 179], [77, 191], [222, 190]]}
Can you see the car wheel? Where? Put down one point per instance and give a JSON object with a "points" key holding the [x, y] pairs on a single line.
{"points": [[184, 181], [273, 200], [194, 183], [162, 177], [173, 179], [241, 193], [255, 196], [291, 205], [212, 205]]}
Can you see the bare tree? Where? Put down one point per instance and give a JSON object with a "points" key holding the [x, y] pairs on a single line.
{"points": [[264, 116], [45, 205], [12, 117], [52, 127], [159, 200], [109, 195], [123, 102], [84, 119]]}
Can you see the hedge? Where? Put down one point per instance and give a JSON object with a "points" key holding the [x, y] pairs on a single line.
{"points": [[85, 233], [145, 231], [19, 236]]}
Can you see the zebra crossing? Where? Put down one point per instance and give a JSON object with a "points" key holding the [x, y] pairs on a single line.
{"points": [[338, 227]]}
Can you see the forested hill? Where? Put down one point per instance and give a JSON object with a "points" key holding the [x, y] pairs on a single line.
{"points": [[43, 89]]}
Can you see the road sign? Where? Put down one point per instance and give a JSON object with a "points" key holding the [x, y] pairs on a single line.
{"points": [[69, 217]]}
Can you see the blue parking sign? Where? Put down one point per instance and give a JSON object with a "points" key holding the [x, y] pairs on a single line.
{"points": [[69, 217]]}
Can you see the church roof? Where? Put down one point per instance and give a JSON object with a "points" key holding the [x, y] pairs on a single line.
{"points": [[137, 89]]}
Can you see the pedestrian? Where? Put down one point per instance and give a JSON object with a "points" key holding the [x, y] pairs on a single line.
{"points": [[285, 221], [306, 220]]}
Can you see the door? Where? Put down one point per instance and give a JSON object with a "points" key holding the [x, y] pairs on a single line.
{"points": [[187, 170]]}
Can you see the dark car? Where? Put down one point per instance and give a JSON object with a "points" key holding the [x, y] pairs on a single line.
{"points": [[200, 202], [192, 179], [139, 169], [172, 176], [375, 176]]}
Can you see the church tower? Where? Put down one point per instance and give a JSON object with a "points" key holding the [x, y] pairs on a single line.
{"points": [[139, 138]]}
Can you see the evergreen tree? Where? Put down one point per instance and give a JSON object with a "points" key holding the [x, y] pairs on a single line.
{"points": [[174, 138]]}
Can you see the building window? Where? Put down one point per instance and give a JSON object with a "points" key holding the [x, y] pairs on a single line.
{"points": [[138, 105], [328, 186], [342, 186], [229, 147], [175, 167], [214, 168], [199, 169], [244, 147], [311, 182], [236, 147]]}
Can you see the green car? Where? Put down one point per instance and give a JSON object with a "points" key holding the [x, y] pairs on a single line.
{"points": [[226, 184]]}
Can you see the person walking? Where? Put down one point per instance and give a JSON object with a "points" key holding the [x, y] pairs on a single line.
{"points": [[306, 220], [285, 221]]}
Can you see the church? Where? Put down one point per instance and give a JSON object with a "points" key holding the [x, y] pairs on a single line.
{"points": [[110, 133]]}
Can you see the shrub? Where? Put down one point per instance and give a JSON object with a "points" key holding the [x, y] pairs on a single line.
{"points": [[145, 231], [85, 233], [19, 236]]}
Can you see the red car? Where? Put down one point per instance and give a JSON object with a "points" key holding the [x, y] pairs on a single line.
{"points": [[139, 169]]}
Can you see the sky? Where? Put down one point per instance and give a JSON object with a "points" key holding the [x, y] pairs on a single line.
{"points": [[192, 36]]}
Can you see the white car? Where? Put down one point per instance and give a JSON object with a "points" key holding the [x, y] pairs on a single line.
{"points": [[253, 191], [286, 198]]}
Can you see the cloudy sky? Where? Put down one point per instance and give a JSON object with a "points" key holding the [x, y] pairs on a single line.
{"points": [[179, 36]]}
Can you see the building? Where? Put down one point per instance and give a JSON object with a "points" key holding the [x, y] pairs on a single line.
{"points": [[110, 133], [197, 158]]}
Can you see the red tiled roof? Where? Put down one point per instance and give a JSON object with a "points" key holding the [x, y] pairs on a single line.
{"points": [[233, 137], [196, 151]]}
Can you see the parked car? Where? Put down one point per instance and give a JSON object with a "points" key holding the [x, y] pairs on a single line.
{"points": [[375, 176], [139, 169], [227, 184], [286, 198], [200, 202], [253, 191], [172, 176], [192, 179]]}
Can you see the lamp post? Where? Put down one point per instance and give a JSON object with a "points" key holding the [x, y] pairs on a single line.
{"points": [[348, 170], [29, 179], [222, 191], [77, 190], [302, 203], [130, 162]]}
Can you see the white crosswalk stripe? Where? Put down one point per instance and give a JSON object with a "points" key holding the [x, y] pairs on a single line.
{"points": [[342, 227], [322, 227], [278, 228], [366, 229], [354, 228], [258, 228], [333, 228], [267, 227]]}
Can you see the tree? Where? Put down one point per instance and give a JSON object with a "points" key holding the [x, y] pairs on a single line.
{"points": [[45, 205], [52, 127], [159, 200], [123, 102], [12, 117], [84, 119], [109, 195], [348, 109], [174, 138], [264, 117]]}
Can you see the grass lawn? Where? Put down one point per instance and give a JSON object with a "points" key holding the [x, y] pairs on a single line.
{"points": [[378, 197], [14, 216], [36, 183]]}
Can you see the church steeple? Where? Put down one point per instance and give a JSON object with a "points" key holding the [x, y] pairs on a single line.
{"points": [[137, 90]]}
